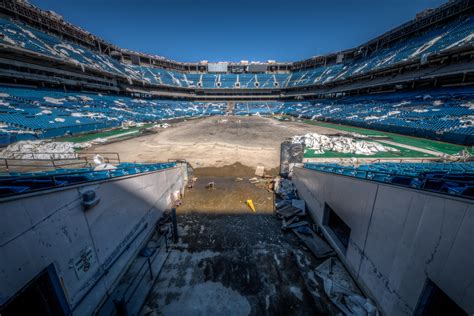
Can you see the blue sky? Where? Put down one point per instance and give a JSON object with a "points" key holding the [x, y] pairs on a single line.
{"points": [[234, 30]]}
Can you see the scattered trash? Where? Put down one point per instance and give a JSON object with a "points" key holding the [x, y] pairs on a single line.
{"points": [[304, 230], [285, 188], [342, 290], [281, 203], [250, 205], [254, 180], [295, 225], [292, 223], [285, 223], [314, 243], [298, 204], [210, 185], [288, 211], [191, 182], [338, 284], [101, 164], [260, 171], [176, 198], [239, 179]]}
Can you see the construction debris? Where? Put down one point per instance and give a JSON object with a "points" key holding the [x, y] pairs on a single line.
{"points": [[292, 223], [298, 204], [254, 180], [285, 188], [338, 284], [210, 185], [191, 182], [260, 171], [313, 242], [322, 143], [288, 211], [281, 203], [342, 290], [41, 149]]}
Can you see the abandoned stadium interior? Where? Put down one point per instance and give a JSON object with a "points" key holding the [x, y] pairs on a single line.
{"points": [[131, 184]]}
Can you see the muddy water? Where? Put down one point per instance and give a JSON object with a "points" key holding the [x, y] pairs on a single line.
{"points": [[230, 260]]}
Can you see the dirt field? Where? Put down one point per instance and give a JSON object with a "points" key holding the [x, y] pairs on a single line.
{"points": [[215, 142], [230, 260]]}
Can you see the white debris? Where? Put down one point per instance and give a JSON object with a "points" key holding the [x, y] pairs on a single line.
{"points": [[101, 164], [260, 171], [470, 105], [54, 100], [426, 46], [322, 143], [342, 290], [40, 149], [44, 112]]}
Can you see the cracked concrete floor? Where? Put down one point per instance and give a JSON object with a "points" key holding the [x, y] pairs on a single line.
{"points": [[231, 261]]}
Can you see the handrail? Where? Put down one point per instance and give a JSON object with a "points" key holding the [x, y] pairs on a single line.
{"points": [[84, 157]]}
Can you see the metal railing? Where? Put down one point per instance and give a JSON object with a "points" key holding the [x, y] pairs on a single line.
{"points": [[54, 160]]}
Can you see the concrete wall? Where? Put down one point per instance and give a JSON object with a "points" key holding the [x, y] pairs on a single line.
{"points": [[399, 238], [52, 227]]}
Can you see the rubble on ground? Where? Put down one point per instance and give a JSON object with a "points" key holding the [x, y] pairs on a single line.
{"points": [[342, 290], [210, 185], [322, 143], [259, 171], [41, 149], [337, 282]]}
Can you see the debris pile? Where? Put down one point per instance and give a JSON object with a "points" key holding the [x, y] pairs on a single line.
{"points": [[262, 180], [342, 290], [337, 283], [322, 143], [40, 149], [291, 211]]}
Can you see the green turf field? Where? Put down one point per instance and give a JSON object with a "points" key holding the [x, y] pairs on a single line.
{"points": [[442, 147]]}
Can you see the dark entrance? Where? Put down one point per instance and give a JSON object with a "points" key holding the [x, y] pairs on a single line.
{"points": [[42, 296], [434, 301]]}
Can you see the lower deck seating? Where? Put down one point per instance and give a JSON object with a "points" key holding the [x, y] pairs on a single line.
{"points": [[444, 114], [455, 178], [17, 183]]}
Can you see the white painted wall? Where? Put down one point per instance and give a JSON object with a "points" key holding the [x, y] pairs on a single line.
{"points": [[399, 238], [51, 227]]}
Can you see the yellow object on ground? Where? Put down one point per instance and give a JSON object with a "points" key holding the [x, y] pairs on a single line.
{"points": [[250, 205]]}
